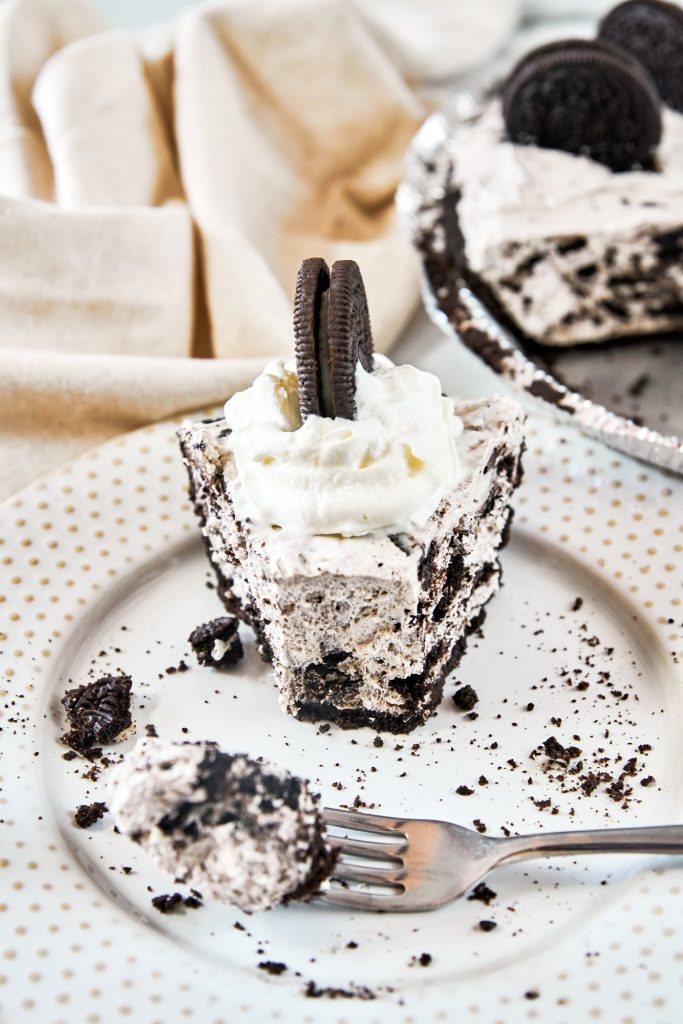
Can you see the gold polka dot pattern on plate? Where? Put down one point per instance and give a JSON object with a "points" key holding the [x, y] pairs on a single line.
{"points": [[70, 953]]}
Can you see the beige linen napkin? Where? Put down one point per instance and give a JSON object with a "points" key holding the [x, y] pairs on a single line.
{"points": [[157, 195]]}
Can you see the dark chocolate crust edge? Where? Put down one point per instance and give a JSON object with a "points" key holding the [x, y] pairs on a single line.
{"points": [[383, 721], [232, 604], [441, 245], [447, 271]]}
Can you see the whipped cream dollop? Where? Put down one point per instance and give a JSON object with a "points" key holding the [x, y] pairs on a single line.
{"points": [[386, 469]]}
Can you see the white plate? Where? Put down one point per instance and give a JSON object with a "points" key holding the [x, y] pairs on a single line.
{"points": [[109, 542]]}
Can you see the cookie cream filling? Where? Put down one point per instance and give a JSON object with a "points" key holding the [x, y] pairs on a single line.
{"points": [[387, 469], [218, 650], [571, 250]]}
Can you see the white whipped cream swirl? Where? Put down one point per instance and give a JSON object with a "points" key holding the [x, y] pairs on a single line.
{"points": [[388, 469]]}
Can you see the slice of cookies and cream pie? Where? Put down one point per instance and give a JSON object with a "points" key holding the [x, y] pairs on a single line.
{"points": [[353, 514], [568, 186]]}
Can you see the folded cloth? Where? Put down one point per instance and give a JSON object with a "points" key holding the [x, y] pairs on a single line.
{"points": [[158, 193], [73, 403]]}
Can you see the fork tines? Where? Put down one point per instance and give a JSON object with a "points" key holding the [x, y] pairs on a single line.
{"points": [[375, 864]]}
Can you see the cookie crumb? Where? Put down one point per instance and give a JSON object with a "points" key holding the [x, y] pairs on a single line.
{"points": [[313, 991], [87, 814], [465, 698], [97, 713], [482, 893], [556, 752], [217, 643], [272, 967], [171, 903]]}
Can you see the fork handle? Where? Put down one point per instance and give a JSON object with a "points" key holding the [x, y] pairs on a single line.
{"points": [[644, 839]]}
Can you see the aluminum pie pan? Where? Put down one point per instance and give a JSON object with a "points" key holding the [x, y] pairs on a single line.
{"points": [[455, 308]]}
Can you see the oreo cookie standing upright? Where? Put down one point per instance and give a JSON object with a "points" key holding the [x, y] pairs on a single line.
{"points": [[349, 334], [332, 334], [650, 31], [313, 281], [584, 97]]}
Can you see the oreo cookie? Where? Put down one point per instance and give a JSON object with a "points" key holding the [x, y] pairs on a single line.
{"points": [[331, 335], [312, 283], [651, 31], [584, 97], [217, 643]]}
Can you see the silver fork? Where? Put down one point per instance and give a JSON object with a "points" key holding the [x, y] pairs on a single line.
{"points": [[403, 864]]}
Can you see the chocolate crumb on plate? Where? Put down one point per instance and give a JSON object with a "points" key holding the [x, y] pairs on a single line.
{"points": [[465, 698], [167, 903], [97, 713], [313, 991], [487, 926], [274, 967], [171, 903], [182, 666], [556, 752], [591, 782], [217, 643], [464, 791], [87, 814], [482, 893]]}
